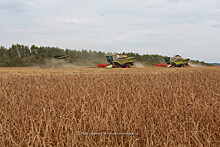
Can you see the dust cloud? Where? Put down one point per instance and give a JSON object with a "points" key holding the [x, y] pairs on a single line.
{"points": [[195, 64], [54, 63], [139, 65]]}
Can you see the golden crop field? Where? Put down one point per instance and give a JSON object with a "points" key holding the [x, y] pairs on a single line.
{"points": [[150, 106]]}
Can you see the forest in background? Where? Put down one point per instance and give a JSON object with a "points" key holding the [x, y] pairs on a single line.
{"points": [[22, 55]]}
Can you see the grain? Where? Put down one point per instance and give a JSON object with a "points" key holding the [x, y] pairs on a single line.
{"points": [[164, 106]]}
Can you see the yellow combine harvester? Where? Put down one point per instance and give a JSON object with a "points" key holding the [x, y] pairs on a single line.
{"points": [[117, 61], [175, 61]]}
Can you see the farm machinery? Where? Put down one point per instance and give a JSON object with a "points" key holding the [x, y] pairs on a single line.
{"points": [[175, 61], [58, 61], [65, 57], [117, 61]]}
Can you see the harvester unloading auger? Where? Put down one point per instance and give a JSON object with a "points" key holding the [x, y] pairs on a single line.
{"points": [[175, 61], [118, 60]]}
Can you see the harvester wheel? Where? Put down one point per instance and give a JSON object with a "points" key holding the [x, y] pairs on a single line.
{"points": [[127, 66], [182, 65], [117, 65], [173, 65]]}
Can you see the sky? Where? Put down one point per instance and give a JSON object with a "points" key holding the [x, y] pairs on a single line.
{"points": [[190, 28]]}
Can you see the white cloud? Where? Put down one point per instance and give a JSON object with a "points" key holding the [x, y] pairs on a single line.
{"points": [[214, 24], [215, 10]]}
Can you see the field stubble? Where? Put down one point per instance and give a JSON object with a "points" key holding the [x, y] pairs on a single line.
{"points": [[166, 107]]}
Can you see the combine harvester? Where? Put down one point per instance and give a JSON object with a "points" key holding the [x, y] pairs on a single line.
{"points": [[175, 61], [117, 61], [67, 58]]}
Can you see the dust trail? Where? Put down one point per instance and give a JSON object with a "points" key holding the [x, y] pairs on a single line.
{"points": [[195, 64], [54, 63], [139, 65]]}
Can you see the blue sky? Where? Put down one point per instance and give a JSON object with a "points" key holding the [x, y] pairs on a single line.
{"points": [[190, 28]]}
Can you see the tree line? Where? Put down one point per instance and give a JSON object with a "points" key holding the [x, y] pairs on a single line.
{"points": [[22, 55]]}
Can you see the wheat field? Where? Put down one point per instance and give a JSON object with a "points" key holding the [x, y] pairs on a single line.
{"points": [[150, 106]]}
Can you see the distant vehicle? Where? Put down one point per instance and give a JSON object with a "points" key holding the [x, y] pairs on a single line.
{"points": [[175, 61], [118, 60], [65, 57]]}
